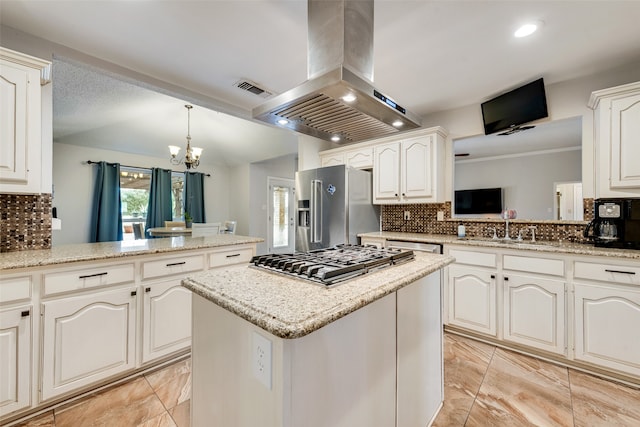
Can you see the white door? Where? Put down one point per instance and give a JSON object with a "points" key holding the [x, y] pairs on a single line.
{"points": [[86, 339], [166, 319], [281, 224], [386, 175], [472, 299], [15, 356], [416, 169], [534, 312]]}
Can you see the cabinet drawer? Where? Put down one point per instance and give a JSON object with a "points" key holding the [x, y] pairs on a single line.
{"points": [[15, 289], [228, 257], [607, 272], [71, 280], [170, 266], [554, 267], [474, 258]]}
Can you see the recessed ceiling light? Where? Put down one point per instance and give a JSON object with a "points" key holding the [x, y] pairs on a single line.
{"points": [[528, 29], [349, 98], [397, 123], [335, 138], [283, 122]]}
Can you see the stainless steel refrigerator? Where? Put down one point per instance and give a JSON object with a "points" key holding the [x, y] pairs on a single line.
{"points": [[333, 205]]}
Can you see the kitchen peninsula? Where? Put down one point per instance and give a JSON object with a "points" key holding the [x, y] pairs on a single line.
{"points": [[75, 318], [272, 350]]}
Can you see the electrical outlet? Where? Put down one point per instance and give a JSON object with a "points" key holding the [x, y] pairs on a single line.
{"points": [[440, 216], [261, 359], [407, 215]]}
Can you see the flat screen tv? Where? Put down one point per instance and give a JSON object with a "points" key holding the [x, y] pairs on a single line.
{"points": [[522, 105], [478, 201]]}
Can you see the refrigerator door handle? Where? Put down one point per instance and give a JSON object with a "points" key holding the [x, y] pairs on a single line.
{"points": [[316, 211]]}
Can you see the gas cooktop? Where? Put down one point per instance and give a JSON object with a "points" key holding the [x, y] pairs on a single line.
{"points": [[332, 265]]}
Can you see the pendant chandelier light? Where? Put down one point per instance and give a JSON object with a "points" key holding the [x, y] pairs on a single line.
{"points": [[192, 157]]}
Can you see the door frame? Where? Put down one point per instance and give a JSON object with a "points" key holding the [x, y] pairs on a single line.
{"points": [[271, 181]]}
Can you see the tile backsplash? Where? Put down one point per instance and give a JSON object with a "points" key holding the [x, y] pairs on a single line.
{"points": [[25, 222], [423, 218]]}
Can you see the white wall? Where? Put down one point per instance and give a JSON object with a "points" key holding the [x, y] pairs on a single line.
{"points": [[564, 100], [281, 167], [73, 182], [527, 181], [239, 197]]}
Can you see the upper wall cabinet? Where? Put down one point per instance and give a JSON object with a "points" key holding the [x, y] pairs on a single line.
{"points": [[21, 161], [617, 132], [360, 157], [408, 170]]}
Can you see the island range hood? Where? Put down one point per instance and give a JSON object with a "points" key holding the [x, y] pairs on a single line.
{"points": [[338, 102]]}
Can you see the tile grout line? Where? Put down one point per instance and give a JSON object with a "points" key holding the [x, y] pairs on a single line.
{"points": [[161, 402], [573, 414], [475, 397]]}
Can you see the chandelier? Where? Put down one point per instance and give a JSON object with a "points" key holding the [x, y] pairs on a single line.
{"points": [[192, 157]]}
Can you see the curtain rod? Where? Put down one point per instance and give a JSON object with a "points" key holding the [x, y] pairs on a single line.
{"points": [[91, 162]]}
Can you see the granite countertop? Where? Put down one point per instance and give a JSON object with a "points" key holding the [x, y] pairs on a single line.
{"points": [[291, 308], [538, 246], [112, 250]]}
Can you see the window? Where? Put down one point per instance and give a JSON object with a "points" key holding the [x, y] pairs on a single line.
{"points": [[134, 193]]}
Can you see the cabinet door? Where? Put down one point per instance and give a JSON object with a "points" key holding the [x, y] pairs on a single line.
{"points": [[166, 319], [625, 134], [472, 299], [332, 159], [534, 312], [20, 123], [386, 175], [86, 339], [361, 158], [15, 359], [607, 332], [415, 169]]}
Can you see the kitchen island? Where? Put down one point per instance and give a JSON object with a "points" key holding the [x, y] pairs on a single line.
{"points": [[277, 351]]}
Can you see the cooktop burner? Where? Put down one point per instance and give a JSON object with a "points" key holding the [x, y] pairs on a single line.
{"points": [[332, 265]]}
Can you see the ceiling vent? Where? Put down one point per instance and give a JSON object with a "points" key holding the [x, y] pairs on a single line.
{"points": [[249, 86]]}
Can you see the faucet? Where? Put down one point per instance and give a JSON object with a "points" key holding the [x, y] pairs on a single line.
{"points": [[495, 236], [533, 229], [506, 230]]}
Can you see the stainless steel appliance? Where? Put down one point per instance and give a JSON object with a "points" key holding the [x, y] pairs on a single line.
{"points": [[332, 265], [333, 205], [434, 248], [616, 223]]}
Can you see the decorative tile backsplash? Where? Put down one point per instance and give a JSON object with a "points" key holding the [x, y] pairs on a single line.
{"points": [[423, 218], [25, 222]]}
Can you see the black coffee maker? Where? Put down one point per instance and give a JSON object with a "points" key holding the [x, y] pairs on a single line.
{"points": [[616, 223]]}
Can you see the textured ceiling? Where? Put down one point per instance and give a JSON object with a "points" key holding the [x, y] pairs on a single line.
{"points": [[428, 55]]}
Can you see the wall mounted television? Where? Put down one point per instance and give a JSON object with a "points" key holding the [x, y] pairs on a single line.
{"points": [[478, 201], [512, 109]]}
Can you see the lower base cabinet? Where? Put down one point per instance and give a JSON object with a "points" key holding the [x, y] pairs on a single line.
{"points": [[86, 339], [15, 359], [472, 298], [534, 312], [166, 319], [607, 329]]}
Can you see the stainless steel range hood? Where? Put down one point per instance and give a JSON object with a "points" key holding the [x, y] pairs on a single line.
{"points": [[340, 63]]}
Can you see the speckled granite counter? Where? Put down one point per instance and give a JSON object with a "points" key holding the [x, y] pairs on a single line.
{"points": [[291, 308], [112, 250], [539, 246]]}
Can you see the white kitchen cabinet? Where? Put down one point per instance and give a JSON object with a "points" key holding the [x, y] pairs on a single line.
{"points": [[534, 312], [472, 298], [407, 171], [359, 156], [86, 339], [617, 131], [21, 162], [332, 159], [166, 319], [15, 359], [607, 317]]}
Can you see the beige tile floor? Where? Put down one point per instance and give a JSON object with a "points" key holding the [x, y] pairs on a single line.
{"points": [[484, 386]]}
